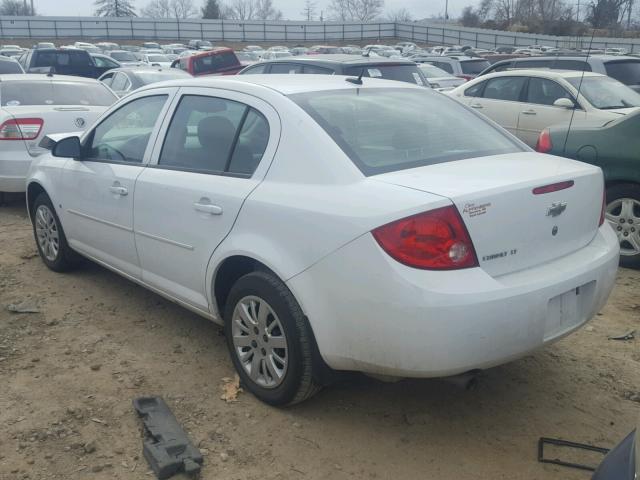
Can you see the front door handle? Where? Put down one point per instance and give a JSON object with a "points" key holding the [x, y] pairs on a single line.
{"points": [[204, 205], [119, 190], [529, 112], [476, 105]]}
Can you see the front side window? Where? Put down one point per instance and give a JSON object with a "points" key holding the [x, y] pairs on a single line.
{"points": [[545, 92], [475, 91], [255, 70], [123, 136], [505, 88], [120, 82], [388, 129], [214, 135]]}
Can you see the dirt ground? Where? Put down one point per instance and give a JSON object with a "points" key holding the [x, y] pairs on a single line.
{"points": [[68, 375]]}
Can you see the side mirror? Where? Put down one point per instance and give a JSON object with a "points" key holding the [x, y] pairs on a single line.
{"points": [[67, 148], [564, 103]]}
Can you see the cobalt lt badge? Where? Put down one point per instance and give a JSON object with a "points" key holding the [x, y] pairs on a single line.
{"points": [[556, 209], [80, 122]]}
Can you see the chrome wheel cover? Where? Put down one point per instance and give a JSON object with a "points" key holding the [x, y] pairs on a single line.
{"points": [[624, 216], [47, 233], [259, 341]]}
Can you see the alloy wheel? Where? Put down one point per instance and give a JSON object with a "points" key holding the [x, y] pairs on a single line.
{"points": [[259, 341], [624, 216], [47, 233]]}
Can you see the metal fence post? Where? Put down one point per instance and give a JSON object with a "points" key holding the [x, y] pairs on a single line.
{"points": [[222, 29], [106, 23], [264, 30], [477, 40], [201, 31], [179, 33], [155, 30], [244, 37], [29, 28]]}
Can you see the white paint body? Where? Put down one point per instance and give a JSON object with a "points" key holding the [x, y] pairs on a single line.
{"points": [[307, 214]]}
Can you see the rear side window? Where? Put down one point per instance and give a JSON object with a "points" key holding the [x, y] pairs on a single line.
{"points": [[312, 69], [505, 88], [214, 135], [401, 73], [55, 93], [255, 70], [474, 67], [533, 63], [572, 65], [285, 68], [388, 129], [625, 71], [214, 63]]}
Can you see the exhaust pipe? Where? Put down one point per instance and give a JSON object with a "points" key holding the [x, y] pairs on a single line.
{"points": [[466, 381]]}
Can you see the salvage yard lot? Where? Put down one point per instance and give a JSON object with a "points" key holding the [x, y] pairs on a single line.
{"points": [[69, 372]]}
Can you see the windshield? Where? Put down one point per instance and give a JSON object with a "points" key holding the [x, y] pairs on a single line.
{"points": [[152, 77], [474, 67], [124, 56], [401, 73], [158, 58], [16, 93], [606, 93], [625, 71], [388, 129], [433, 72]]}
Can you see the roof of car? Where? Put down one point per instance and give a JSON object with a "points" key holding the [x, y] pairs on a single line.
{"points": [[285, 84], [44, 78], [576, 56], [435, 58], [543, 72], [341, 58], [147, 69]]}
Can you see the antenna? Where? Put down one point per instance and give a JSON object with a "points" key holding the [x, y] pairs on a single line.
{"points": [[356, 81], [573, 112]]}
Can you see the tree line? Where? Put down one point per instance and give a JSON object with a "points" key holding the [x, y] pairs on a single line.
{"points": [[555, 17]]}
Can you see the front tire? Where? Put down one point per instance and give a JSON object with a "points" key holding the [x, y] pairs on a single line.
{"points": [[270, 341], [623, 213], [49, 235]]}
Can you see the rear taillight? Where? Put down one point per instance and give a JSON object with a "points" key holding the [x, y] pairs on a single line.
{"points": [[21, 129], [604, 207], [544, 144], [466, 78], [433, 240]]}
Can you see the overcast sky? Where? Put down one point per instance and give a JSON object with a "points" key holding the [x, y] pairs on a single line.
{"points": [[291, 8]]}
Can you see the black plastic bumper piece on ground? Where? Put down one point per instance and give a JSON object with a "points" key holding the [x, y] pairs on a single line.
{"points": [[167, 447], [564, 443]]}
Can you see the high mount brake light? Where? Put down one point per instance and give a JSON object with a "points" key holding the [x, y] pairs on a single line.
{"points": [[433, 240]]}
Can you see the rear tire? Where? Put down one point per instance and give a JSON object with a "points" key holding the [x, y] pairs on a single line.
{"points": [[270, 341], [623, 214], [50, 238]]}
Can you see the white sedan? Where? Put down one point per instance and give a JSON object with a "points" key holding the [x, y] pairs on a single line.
{"points": [[34, 105], [331, 222], [525, 102]]}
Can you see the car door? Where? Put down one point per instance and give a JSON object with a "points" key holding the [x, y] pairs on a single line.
{"points": [[501, 101], [538, 111], [209, 157], [97, 190]]}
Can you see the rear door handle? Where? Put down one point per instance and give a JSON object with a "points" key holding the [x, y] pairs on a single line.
{"points": [[204, 205], [119, 190], [475, 105], [529, 112]]}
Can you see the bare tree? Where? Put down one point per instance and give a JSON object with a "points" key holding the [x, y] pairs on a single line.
{"points": [[266, 11], [400, 15], [309, 10], [15, 7], [183, 8], [157, 9], [251, 10], [356, 10]]}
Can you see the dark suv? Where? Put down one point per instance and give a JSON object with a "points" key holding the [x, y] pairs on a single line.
{"points": [[377, 67], [623, 69], [64, 62]]}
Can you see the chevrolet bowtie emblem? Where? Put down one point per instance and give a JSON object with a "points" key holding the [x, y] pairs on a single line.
{"points": [[556, 209]]}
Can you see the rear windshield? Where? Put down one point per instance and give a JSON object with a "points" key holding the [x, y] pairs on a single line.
{"points": [[625, 71], [401, 73], [67, 58], [153, 77], [10, 67], [13, 94], [158, 58], [214, 63], [388, 129], [474, 67], [605, 93], [123, 56]]}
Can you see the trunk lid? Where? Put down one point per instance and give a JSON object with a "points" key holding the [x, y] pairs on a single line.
{"points": [[56, 119], [511, 227]]}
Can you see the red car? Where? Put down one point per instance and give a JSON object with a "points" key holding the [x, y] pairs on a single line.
{"points": [[218, 61]]}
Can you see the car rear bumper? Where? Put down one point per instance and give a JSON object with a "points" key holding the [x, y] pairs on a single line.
{"points": [[370, 313], [13, 172]]}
